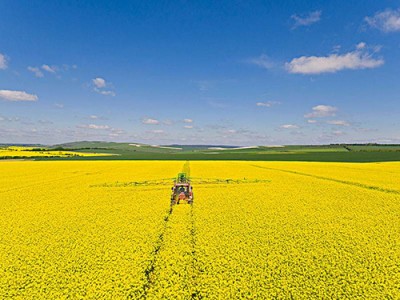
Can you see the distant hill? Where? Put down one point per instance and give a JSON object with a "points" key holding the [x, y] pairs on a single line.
{"points": [[178, 148], [332, 153], [140, 151], [136, 147], [118, 148], [21, 145]]}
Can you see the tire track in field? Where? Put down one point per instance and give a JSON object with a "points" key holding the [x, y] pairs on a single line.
{"points": [[195, 264], [149, 271], [162, 244], [352, 183]]}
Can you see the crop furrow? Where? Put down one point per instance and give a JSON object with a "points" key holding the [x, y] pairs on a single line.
{"points": [[195, 267], [149, 271]]}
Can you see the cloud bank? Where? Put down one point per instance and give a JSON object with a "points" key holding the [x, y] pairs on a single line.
{"points": [[99, 82], [289, 126], [357, 59], [268, 103], [386, 21], [321, 111], [16, 96], [99, 87], [338, 123], [150, 121]]}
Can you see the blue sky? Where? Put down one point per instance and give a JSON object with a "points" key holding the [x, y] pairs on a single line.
{"points": [[200, 72]]}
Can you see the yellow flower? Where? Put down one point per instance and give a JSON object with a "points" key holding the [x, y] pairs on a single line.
{"points": [[88, 230]]}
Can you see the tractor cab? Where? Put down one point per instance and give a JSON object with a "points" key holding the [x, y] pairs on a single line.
{"points": [[182, 191]]}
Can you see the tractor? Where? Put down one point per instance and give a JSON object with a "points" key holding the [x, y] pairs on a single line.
{"points": [[182, 191]]}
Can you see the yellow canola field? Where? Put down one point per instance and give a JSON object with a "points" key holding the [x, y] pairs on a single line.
{"points": [[28, 152], [283, 230]]}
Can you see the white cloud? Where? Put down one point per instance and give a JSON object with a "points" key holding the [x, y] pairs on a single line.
{"points": [[262, 61], [99, 82], [105, 93], [188, 120], [157, 131], [49, 69], [150, 121], [289, 126], [188, 126], [99, 85], [307, 20], [268, 103], [338, 122], [3, 62], [361, 45], [36, 71], [59, 105], [321, 111], [96, 117], [311, 121], [8, 95], [94, 126], [386, 21], [358, 59]]}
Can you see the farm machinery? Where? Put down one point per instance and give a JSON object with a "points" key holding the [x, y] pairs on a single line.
{"points": [[182, 191]]}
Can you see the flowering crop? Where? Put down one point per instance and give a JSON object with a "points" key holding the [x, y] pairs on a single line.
{"points": [[259, 230], [28, 152]]}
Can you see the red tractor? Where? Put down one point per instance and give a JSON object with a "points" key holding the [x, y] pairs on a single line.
{"points": [[182, 190]]}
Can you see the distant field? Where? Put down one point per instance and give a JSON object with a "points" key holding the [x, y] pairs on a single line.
{"points": [[323, 153], [308, 156], [132, 151], [14, 152]]}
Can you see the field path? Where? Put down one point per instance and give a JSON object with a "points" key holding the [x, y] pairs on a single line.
{"points": [[173, 266]]}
